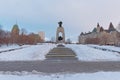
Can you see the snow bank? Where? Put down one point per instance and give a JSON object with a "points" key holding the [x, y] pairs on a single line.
{"points": [[86, 53], [38, 52], [78, 76], [5, 47], [107, 47], [33, 52]]}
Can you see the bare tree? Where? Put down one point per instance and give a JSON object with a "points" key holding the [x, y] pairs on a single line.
{"points": [[53, 39], [68, 41], [23, 31]]}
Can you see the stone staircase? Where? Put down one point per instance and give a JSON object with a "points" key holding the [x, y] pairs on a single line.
{"points": [[61, 53]]}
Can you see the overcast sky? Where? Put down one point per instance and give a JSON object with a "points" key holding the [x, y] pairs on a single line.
{"points": [[43, 15]]}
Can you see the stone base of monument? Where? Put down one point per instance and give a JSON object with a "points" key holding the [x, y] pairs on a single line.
{"points": [[61, 53]]}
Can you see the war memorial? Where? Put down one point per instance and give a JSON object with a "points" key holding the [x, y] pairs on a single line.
{"points": [[61, 52]]}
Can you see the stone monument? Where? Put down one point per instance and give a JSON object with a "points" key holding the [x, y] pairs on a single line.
{"points": [[60, 34], [61, 52]]}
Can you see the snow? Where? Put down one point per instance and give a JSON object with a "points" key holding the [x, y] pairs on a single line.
{"points": [[66, 76], [38, 52], [107, 47], [5, 47], [86, 53], [31, 52]]}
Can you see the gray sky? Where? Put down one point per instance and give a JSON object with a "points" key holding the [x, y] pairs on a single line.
{"points": [[42, 15]]}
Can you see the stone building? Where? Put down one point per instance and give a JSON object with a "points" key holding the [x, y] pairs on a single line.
{"points": [[42, 35], [15, 34], [101, 36]]}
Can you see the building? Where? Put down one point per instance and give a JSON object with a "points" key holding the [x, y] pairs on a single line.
{"points": [[101, 36], [15, 34], [42, 35]]}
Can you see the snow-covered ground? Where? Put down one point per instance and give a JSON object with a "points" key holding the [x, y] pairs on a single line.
{"points": [[31, 52], [5, 47], [107, 47], [38, 52], [64, 76], [86, 53]]}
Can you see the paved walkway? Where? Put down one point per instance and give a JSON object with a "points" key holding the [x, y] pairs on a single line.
{"points": [[59, 66]]}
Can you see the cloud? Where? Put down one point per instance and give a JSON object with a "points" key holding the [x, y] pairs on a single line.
{"points": [[77, 15]]}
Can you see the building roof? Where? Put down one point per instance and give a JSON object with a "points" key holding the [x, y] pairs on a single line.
{"points": [[15, 26], [94, 30], [101, 29], [98, 25], [82, 33], [87, 33], [111, 27]]}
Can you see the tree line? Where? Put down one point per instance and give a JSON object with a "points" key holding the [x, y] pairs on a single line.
{"points": [[17, 36]]}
